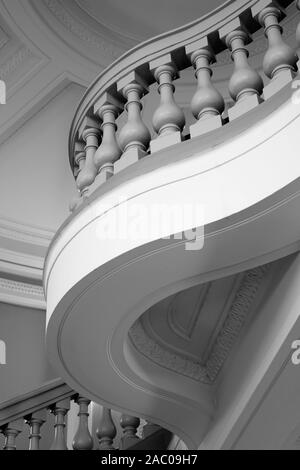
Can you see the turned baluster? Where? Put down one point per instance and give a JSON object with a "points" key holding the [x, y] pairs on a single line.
{"points": [[280, 59], [83, 439], [106, 431], [245, 85], [36, 421], [207, 104], [298, 27], [11, 431], [80, 158], [60, 410], [130, 425], [90, 134], [134, 137], [168, 119], [109, 151]]}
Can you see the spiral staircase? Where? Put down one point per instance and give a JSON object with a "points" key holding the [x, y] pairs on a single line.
{"points": [[186, 321]]}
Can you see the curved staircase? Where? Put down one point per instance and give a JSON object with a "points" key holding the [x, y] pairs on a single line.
{"points": [[122, 261]]}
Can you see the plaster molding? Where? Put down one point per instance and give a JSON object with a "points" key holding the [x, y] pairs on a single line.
{"points": [[29, 234], [17, 59], [21, 264], [21, 293], [232, 326]]}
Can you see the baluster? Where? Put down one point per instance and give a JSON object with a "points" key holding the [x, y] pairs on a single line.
{"points": [[245, 85], [108, 109], [168, 119], [129, 425], [80, 163], [106, 431], [60, 409], [91, 133], [83, 439], [134, 138], [11, 431], [36, 421], [280, 59], [207, 104]]}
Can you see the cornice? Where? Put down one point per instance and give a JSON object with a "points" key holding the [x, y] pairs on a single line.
{"points": [[22, 294], [236, 318], [29, 234]]}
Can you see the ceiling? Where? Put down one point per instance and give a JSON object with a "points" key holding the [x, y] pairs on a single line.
{"points": [[142, 19]]}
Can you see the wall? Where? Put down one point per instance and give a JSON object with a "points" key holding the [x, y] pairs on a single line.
{"points": [[36, 183], [23, 331]]}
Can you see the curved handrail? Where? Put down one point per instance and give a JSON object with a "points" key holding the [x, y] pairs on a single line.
{"points": [[173, 42]]}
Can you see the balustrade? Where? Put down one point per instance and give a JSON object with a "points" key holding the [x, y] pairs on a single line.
{"points": [[94, 164], [106, 431]]}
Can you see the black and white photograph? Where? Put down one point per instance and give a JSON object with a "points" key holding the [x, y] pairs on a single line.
{"points": [[149, 228]]}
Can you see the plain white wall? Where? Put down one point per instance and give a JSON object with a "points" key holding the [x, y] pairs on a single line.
{"points": [[36, 183]]}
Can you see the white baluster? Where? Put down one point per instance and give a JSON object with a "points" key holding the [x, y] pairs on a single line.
{"points": [[60, 410], [207, 104], [36, 421], [168, 119], [280, 59], [83, 439], [80, 158], [109, 152], [129, 425], [106, 431], [245, 85], [91, 133], [134, 138], [11, 431]]}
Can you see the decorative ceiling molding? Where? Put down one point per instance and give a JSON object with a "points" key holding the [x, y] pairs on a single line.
{"points": [[23, 294], [99, 44], [237, 315], [21, 265], [30, 234]]}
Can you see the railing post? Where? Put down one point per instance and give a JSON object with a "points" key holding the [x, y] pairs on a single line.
{"points": [[129, 425], [80, 158], [207, 104], [106, 432], [90, 133], [168, 119], [83, 439], [11, 432], [109, 152], [245, 84], [60, 409], [35, 421], [280, 59], [134, 137]]}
